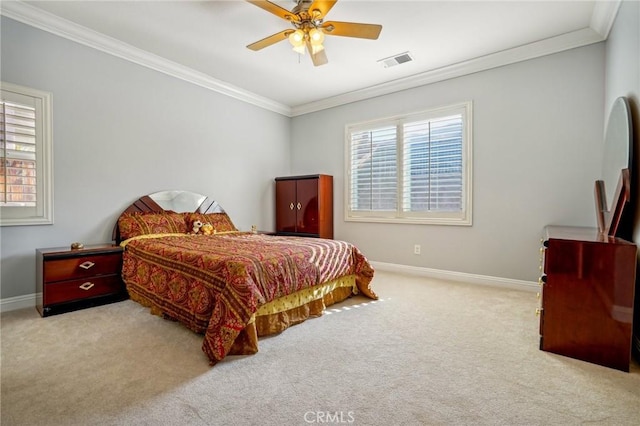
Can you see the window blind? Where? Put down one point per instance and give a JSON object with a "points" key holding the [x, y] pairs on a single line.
{"points": [[18, 155], [374, 170], [432, 164]]}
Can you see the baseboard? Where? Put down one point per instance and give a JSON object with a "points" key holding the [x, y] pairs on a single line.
{"points": [[458, 276], [29, 300], [18, 302]]}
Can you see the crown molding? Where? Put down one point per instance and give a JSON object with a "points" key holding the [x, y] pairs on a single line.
{"points": [[603, 16], [602, 20], [46, 21], [537, 49]]}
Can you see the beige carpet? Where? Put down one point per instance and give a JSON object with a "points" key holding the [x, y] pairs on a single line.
{"points": [[428, 353]]}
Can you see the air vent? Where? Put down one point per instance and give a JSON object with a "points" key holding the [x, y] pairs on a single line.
{"points": [[394, 60]]}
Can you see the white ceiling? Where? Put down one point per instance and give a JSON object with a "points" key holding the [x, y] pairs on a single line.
{"points": [[205, 42]]}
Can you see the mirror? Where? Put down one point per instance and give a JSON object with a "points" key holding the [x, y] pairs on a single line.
{"points": [[617, 148], [185, 201], [613, 191]]}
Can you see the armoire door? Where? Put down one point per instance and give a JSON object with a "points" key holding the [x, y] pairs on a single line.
{"points": [[308, 218], [286, 206]]}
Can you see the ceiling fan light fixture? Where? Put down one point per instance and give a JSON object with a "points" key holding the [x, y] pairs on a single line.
{"points": [[316, 36], [299, 49], [296, 38]]}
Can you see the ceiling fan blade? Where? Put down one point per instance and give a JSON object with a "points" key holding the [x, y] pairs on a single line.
{"points": [[275, 9], [352, 29], [319, 58], [322, 6], [268, 41]]}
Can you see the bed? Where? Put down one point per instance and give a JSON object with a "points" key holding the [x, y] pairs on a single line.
{"points": [[231, 286]]}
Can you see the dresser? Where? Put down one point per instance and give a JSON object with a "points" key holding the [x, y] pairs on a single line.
{"points": [[73, 279], [587, 295], [304, 206]]}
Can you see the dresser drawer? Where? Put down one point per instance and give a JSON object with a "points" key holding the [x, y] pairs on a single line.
{"points": [[67, 291], [81, 267]]}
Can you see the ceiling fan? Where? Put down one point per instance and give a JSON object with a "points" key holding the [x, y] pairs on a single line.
{"points": [[307, 18]]}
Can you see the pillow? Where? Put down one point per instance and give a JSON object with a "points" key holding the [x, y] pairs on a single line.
{"points": [[142, 223], [220, 221]]}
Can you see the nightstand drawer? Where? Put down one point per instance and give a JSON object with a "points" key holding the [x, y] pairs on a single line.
{"points": [[67, 291], [81, 267]]}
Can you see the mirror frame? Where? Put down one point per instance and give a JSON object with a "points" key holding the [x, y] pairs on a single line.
{"points": [[612, 196]]}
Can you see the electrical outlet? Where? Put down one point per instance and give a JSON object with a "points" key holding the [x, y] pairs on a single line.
{"points": [[416, 249]]}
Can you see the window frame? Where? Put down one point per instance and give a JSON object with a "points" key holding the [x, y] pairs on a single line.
{"points": [[42, 213], [462, 218]]}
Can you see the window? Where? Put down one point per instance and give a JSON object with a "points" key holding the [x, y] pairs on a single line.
{"points": [[26, 156], [411, 169]]}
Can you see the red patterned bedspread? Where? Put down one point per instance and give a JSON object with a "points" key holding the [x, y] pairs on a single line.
{"points": [[214, 284]]}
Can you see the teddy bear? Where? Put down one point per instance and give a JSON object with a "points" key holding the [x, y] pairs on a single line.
{"points": [[196, 226], [208, 229]]}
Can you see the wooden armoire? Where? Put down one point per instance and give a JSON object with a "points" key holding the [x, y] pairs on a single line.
{"points": [[304, 206]]}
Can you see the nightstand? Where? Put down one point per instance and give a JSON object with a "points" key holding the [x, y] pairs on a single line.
{"points": [[68, 279]]}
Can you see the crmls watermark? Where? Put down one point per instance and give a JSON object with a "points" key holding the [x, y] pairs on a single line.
{"points": [[324, 417]]}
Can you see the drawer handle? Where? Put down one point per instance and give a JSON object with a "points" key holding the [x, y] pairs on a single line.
{"points": [[299, 206], [87, 285], [291, 206], [87, 265]]}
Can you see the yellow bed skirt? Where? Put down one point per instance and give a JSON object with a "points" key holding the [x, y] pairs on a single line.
{"points": [[278, 315]]}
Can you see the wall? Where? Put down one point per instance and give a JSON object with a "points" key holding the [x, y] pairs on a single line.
{"points": [[537, 135], [120, 131], [622, 78]]}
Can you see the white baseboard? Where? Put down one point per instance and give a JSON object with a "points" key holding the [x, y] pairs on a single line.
{"points": [[458, 276], [29, 300], [18, 302]]}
